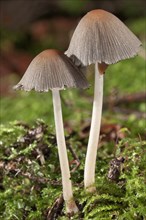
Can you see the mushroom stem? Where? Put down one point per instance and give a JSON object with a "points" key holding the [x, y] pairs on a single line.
{"points": [[90, 163], [64, 164]]}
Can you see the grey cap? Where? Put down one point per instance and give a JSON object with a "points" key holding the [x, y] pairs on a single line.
{"points": [[102, 37], [50, 70]]}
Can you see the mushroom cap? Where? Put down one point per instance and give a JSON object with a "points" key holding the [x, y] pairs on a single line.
{"points": [[49, 70], [101, 37]]}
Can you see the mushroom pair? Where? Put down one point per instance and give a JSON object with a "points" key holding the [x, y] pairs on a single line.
{"points": [[53, 70], [100, 38]]}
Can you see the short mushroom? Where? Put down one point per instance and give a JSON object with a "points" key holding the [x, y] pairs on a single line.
{"points": [[99, 38], [53, 70]]}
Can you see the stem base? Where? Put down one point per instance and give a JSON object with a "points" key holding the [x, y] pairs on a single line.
{"points": [[91, 189], [71, 207]]}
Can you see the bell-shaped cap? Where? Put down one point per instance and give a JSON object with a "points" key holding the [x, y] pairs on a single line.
{"points": [[50, 70], [101, 37]]}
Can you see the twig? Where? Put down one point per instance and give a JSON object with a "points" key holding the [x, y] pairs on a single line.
{"points": [[137, 97], [41, 156], [41, 179], [56, 208], [128, 111], [76, 159]]}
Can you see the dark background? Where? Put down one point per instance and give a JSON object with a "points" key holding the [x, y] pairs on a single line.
{"points": [[30, 26]]}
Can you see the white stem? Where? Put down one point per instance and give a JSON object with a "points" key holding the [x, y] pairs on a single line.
{"points": [[64, 164], [90, 163]]}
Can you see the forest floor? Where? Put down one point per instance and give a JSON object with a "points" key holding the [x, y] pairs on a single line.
{"points": [[30, 179]]}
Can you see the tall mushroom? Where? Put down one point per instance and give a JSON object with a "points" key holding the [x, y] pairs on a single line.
{"points": [[53, 70], [99, 38]]}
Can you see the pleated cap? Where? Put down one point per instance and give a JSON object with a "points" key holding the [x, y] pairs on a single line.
{"points": [[102, 37], [50, 70]]}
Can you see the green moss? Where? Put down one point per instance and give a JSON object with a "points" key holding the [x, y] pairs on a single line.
{"points": [[29, 187], [126, 77]]}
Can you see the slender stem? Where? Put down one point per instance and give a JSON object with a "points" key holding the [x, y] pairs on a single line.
{"points": [[90, 163], [64, 164]]}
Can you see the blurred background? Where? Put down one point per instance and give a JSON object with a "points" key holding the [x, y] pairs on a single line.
{"points": [[28, 27]]}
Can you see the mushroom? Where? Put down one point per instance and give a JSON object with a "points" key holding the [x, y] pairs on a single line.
{"points": [[100, 38], [53, 70]]}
